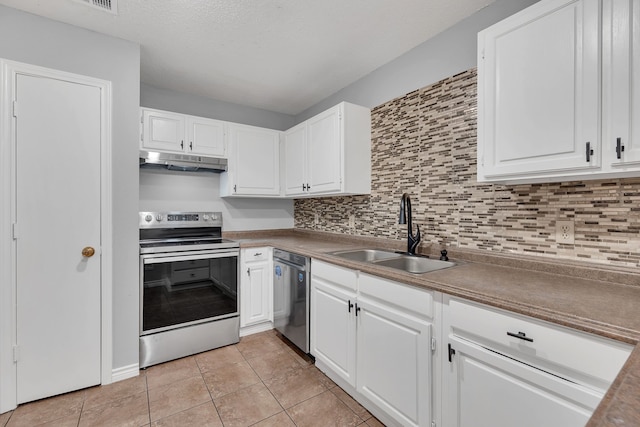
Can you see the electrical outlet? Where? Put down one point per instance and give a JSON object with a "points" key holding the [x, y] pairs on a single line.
{"points": [[352, 220], [565, 232], [316, 219]]}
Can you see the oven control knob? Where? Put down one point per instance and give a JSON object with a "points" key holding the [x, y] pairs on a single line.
{"points": [[148, 218], [158, 217], [205, 217]]}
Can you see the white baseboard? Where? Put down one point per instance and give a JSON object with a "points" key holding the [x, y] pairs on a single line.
{"points": [[125, 372], [254, 329]]}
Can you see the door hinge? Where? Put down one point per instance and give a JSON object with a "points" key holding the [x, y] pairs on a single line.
{"points": [[16, 353], [451, 352], [433, 424], [14, 231], [142, 118], [15, 109], [433, 345]]}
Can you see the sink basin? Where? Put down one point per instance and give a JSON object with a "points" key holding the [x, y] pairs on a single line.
{"points": [[366, 255], [415, 265], [408, 263]]}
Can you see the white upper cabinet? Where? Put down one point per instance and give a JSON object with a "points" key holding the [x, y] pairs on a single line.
{"points": [[621, 83], [295, 154], [254, 162], [538, 91], [179, 133], [330, 153], [206, 136], [162, 130], [551, 101]]}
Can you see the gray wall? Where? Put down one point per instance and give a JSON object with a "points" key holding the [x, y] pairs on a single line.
{"points": [[164, 99], [449, 53], [35, 40], [162, 190]]}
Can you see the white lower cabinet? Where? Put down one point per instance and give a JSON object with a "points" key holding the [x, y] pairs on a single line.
{"points": [[394, 350], [415, 357], [373, 337], [504, 369], [333, 327], [256, 290], [488, 389]]}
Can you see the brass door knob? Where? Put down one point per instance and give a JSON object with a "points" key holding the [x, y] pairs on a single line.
{"points": [[88, 251]]}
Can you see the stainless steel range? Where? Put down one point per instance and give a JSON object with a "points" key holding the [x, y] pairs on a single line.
{"points": [[188, 285]]}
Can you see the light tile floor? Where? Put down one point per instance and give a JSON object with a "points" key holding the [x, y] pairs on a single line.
{"points": [[261, 381]]}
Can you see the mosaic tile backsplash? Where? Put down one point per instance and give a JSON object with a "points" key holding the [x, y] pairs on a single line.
{"points": [[424, 144]]}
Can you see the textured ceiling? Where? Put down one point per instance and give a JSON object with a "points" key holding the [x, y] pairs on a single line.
{"points": [[280, 55]]}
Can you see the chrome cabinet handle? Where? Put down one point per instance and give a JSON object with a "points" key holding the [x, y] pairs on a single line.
{"points": [[350, 306], [182, 144]]}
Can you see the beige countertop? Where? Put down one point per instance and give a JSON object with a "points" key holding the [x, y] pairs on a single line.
{"points": [[596, 299]]}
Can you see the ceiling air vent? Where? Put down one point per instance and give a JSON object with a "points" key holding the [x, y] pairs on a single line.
{"points": [[110, 6]]}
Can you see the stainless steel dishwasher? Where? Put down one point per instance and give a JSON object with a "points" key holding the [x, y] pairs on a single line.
{"points": [[291, 297]]}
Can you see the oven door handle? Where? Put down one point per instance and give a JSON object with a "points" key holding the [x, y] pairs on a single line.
{"points": [[155, 259]]}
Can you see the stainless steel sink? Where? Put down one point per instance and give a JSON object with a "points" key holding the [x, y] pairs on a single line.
{"points": [[409, 263], [416, 265], [366, 255]]}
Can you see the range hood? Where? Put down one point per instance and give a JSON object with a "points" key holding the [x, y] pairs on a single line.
{"points": [[182, 162]]}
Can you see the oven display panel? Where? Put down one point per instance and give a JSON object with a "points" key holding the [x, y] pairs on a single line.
{"points": [[183, 217]]}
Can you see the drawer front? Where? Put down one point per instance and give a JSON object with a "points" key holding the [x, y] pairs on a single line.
{"points": [[343, 277], [405, 297], [191, 275], [539, 342], [256, 254], [186, 265]]}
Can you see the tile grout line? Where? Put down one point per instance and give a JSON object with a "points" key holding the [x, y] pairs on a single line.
{"points": [[146, 387], [209, 390]]}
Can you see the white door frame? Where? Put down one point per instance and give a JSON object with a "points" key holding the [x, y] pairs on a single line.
{"points": [[8, 285]]}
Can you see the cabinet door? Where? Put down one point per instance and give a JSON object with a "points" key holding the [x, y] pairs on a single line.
{"points": [[333, 339], [621, 79], [538, 91], [488, 389], [295, 157], [324, 155], [206, 136], [394, 362], [163, 131], [256, 293], [256, 166]]}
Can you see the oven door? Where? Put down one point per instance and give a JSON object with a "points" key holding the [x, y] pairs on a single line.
{"points": [[186, 288]]}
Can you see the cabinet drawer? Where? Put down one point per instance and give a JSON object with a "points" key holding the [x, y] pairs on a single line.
{"points": [[344, 277], [191, 275], [540, 343], [256, 254], [405, 297], [191, 264]]}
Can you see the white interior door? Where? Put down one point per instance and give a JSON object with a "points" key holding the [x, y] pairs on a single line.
{"points": [[58, 194]]}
